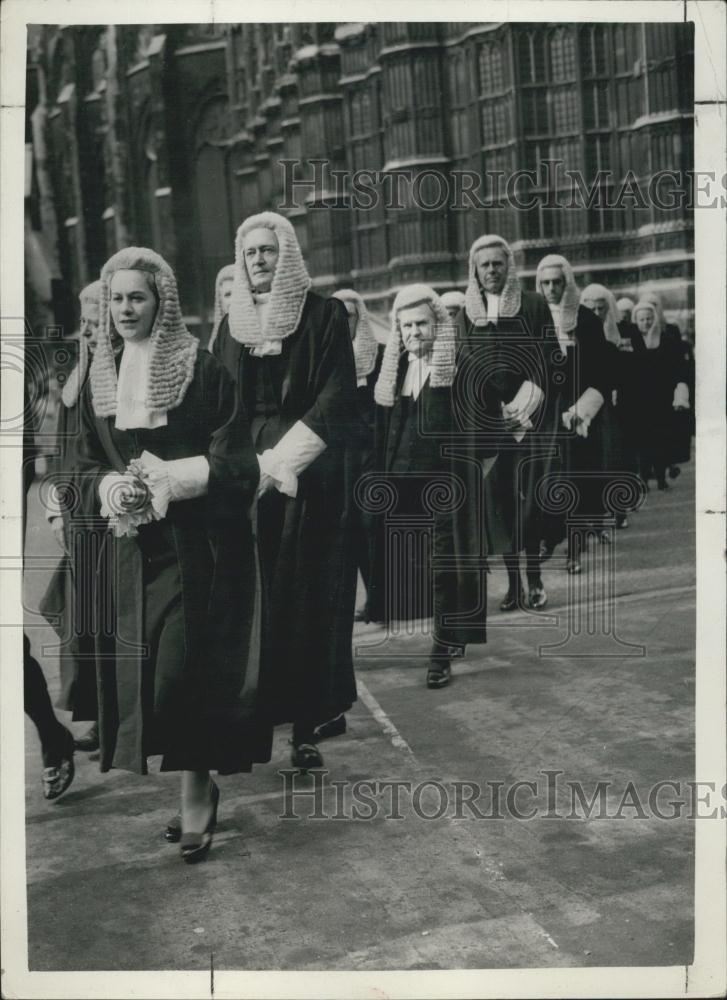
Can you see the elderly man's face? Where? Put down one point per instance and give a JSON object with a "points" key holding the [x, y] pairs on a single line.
{"points": [[260, 250], [598, 306], [417, 329], [491, 265], [552, 285]]}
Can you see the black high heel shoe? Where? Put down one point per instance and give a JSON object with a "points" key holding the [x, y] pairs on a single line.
{"points": [[195, 847]]}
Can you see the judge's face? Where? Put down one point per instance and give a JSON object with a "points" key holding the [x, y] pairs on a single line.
{"points": [[352, 318], [226, 295], [624, 314], [644, 319], [260, 250], [552, 285], [133, 305], [417, 329], [89, 323], [599, 307], [491, 265], [453, 311]]}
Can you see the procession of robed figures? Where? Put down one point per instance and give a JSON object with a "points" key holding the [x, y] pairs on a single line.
{"points": [[222, 488]]}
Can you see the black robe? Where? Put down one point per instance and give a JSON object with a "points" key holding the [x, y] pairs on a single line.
{"points": [[199, 709], [408, 456], [69, 590], [492, 364], [657, 373], [307, 543], [591, 461], [365, 521]]}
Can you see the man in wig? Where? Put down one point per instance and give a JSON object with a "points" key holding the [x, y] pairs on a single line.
{"points": [[504, 398], [367, 353], [413, 397], [290, 351], [64, 599], [584, 392], [223, 295]]}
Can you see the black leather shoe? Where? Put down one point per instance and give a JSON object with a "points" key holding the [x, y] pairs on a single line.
{"points": [[573, 567], [195, 847], [439, 673], [334, 727], [537, 598], [511, 602], [674, 471], [57, 777], [89, 741], [173, 829], [455, 652], [306, 757]]}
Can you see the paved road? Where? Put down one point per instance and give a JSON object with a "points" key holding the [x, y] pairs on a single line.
{"points": [[470, 889]]}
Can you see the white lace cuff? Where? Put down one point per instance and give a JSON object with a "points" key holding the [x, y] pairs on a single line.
{"points": [[527, 399], [291, 455], [178, 479]]}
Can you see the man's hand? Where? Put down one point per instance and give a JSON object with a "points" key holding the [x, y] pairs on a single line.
{"points": [[515, 418], [266, 483]]}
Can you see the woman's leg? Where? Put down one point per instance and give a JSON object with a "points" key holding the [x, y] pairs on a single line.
{"points": [[197, 803]]}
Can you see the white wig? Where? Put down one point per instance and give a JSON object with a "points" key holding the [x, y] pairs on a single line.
{"points": [[174, 348], [475, 302], [443, 351], [291, 282]]}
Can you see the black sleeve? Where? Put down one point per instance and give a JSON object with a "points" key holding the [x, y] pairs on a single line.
{"points": [[334, 415]]}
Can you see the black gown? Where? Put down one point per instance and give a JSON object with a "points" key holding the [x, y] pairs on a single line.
{"points": [[408, 457], [492, 363], [178, 651], [307, 544]]}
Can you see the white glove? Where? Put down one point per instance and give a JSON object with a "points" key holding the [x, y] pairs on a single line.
{"points": [[681, 397]]}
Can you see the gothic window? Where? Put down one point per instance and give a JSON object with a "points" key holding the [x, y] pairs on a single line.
{"points": [[561, 46], [492, 76], [213, 204], [532, 57]]}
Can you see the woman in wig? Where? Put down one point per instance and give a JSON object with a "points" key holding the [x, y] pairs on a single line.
{"points": [[503, 396], [585, 393], [166, 460], [290, 352], [367, 353]]}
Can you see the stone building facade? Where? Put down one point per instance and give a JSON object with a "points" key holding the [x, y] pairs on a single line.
{"points": [[169, 135]]}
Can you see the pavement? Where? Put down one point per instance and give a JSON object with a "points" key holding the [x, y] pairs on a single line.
{"points": [[473, 887]]}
